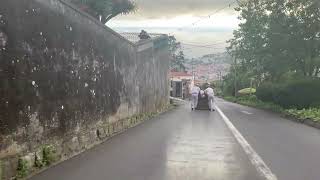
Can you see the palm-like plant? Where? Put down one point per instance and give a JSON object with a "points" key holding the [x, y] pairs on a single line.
{"points": [[105, 10]]}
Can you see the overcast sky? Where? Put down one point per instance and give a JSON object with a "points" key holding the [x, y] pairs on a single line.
{"points": [[188, 20]]}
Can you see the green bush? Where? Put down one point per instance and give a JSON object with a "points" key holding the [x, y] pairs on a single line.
{"points": [[22, 169], [298, 94], [266, 91], [294, 94], [247, 91], [38, 162], [48, 153], [228, 87]]}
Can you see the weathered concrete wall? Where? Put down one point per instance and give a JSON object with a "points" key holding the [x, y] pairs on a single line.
{"points": [[65, 79]]}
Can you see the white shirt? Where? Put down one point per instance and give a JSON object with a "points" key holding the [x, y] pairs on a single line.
{"points": [[195, 90], [209, 91]]}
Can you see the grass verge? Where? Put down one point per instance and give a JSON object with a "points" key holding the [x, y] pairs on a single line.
{"points": [[303, 114]]}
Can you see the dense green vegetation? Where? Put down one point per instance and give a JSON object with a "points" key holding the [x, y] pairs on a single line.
{"points": [[277, 39], [178, 60], [292, 94], [277, 51]]}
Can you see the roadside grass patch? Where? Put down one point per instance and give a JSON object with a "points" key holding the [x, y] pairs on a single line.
{"points": [[312, 113], [252, 101]]}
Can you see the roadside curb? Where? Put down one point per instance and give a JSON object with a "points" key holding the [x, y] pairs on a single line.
{"points": [[308, 122]]}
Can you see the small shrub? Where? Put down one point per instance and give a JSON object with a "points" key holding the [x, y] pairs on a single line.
{"points": [[22, 168], [294, 94], [247, 91], [266, 91], [298, 94], [37, 161], [48, 155]]}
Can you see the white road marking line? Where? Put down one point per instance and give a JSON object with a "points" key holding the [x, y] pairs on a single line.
{"points": [[246, 112], [255, 159]]}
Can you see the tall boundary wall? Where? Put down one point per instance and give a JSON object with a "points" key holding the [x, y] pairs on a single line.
{"points": [[69, 82]]}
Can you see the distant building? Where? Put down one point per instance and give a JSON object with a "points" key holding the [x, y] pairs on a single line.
{"points": [[180, 84]]}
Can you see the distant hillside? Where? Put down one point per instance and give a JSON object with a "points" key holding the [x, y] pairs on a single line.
{"points": [[209, 67], [218, 58]]}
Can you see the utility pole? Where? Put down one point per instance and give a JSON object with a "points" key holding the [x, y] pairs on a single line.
{"points": [[193, 74], [192, 64], [235, 77]]}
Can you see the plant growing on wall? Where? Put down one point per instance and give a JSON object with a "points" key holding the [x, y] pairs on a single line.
{"points": [[22, 169], [104, 10], [48, 153]]}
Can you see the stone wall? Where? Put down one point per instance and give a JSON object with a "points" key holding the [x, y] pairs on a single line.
{"points": [[68, 81]]}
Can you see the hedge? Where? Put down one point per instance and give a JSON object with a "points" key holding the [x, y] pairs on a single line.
{"points": [[295, 94], [247, 91]]}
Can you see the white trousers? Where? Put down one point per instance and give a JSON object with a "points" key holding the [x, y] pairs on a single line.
{"points": [[194, 101], [211, 102]]}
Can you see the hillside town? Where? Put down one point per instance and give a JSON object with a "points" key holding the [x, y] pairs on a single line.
{"points": [[206, 69]]}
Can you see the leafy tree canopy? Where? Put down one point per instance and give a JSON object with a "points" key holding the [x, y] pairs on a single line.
{"points": [[178, 57], [276, 37], [104, 10]]}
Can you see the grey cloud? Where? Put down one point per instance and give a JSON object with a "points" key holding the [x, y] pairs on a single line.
{"points": [[152, 9]]}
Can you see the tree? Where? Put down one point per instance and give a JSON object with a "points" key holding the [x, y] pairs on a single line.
{"points": [[144, 35], [177, 57], [276, 37], [173, 45], [179, 61], [104, 10]]}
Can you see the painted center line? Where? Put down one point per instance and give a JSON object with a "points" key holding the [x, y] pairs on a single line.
{"points": [[246, 112], [255, 159]]}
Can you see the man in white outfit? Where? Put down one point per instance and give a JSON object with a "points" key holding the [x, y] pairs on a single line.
{"points": [[210, 93], [194, 97]]}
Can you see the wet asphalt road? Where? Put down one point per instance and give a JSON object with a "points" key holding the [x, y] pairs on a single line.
{"points": [[291, 150], [177, 145]]}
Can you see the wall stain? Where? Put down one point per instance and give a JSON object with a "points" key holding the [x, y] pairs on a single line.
{"points": [[69, 81], [51, 65]]}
